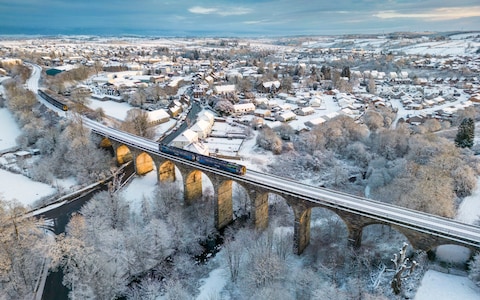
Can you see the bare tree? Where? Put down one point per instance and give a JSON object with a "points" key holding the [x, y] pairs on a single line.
{"points": [[401, 264], [137, 123], [22, 253]]}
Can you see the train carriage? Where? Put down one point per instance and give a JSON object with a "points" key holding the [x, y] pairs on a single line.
{"points": [[177, 152], [55, 102], [203, 159], [221, 164]]}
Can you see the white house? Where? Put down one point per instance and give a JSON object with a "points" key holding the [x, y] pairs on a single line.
{"points": [[198, 147], [186, 138], [202, 128], [243, 108], [158, 116], [305, 111], [287, 116], [207, 116], [224, 89], [314, 122], [316, 101]]}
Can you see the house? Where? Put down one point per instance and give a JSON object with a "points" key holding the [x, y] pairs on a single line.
{"points": [[186, 138], [261, 101], [273, 125], [305, 111], [198, 147], [316, 102], [416, 120], [269, 86], [207, 116], [287, 116], [174, 111], [202, 128], [224, 89], [475, 99], [158, 116], [243, 108], [314, 122], [262, 113], [414, 106]]}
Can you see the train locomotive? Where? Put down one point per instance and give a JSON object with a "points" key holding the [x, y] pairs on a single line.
{"points": [[53, 101], [204, 160]]}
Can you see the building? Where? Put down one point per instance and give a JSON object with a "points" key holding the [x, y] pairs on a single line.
{"points": [[287, 116], [314, 122], [202, 128], [224, 89], [158, 116], [305, 111], [243, 108], [262, 113], [186, 138]]}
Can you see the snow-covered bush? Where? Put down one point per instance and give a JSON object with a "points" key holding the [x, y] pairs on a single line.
{"points": [[474, 269]]}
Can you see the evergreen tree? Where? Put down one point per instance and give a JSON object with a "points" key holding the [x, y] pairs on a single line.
{"points": [[465, 134], [346, 72]]}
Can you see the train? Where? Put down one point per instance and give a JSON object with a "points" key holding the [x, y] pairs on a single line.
{"points": [[204, 160], [53, 101]]}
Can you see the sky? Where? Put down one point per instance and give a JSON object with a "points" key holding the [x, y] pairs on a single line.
{"points": [[235, 17]]}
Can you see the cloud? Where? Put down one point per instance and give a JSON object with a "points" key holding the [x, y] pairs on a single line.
{"points": [[438, 14], [202, 10], [235, 11]]}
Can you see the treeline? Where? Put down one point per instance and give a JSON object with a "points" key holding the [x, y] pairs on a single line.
{"points": [[113, 249], [66, 147], [416, 169], [64, 80]]}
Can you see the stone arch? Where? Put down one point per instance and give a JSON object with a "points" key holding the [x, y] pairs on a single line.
{"points": [[144, 163], [462, 254], [374, 233], [278, 207], [107, 145], [241, 201], [327, 227], [166, 172], [124, 154], [196, 183]]}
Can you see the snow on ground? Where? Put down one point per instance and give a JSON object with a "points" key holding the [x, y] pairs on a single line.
{"points": [[10, 130], [15, 186], [23, 189], [140, 187], [440, 286], [469, 210], [212, 286], [111, 108]]}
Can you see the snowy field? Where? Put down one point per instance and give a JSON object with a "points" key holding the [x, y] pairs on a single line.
{"points": [[15, 186], [111, 108], [439, 286], [10, 130]]}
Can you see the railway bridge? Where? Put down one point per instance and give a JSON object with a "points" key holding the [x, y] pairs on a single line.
{"points": [[423, 231]]}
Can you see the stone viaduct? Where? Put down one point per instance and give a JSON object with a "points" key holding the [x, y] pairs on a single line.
{"points": [[258, 196]]}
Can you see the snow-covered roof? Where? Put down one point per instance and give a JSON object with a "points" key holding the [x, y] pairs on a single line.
{"points": [[188, 135], [229, 88], [158, 114], [269, 84], [201, 125]]}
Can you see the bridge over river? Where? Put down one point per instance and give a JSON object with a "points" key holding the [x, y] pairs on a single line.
{"points": [[423, 231]]}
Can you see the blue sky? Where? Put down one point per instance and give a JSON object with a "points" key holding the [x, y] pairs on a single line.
{"points": [[235, 18]]}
